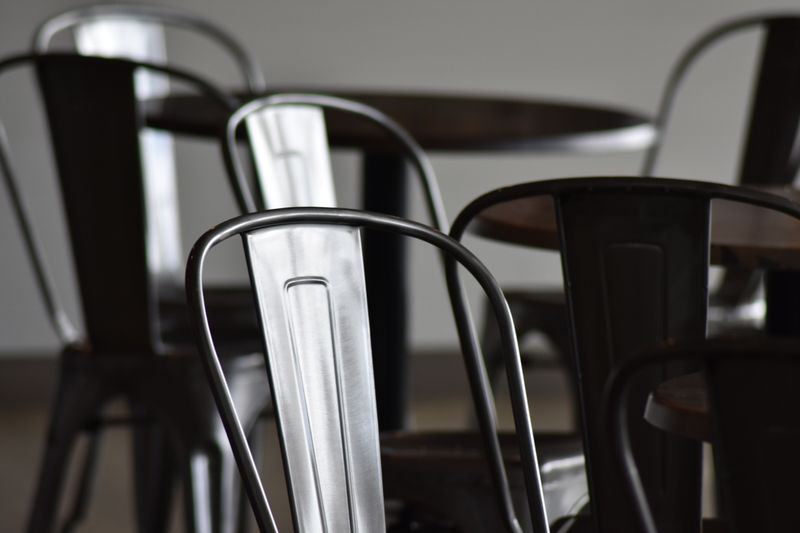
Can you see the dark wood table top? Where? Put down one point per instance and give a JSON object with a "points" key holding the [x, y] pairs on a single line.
{"points": [[741, 235], [443, 122], [680, 405]]}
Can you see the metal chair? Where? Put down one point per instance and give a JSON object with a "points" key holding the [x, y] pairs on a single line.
{"points": [[768, 157], [635, 263], [307, 272], [137, 32], [755, 428], [289, 147], [130, 349]]}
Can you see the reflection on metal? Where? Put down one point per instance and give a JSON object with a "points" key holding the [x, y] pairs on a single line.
{"points": [[140, 41], [290, 150], [313, 306]]}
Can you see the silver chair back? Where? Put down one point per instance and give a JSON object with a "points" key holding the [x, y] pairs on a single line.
{"points": [[292, 161], [306, 267], [309, 282]]}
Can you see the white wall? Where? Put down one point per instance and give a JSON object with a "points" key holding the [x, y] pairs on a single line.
{"points": [[606, 51]]}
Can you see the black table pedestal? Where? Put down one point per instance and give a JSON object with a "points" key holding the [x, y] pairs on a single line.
{"points": [[783, 314], [385, 191]]}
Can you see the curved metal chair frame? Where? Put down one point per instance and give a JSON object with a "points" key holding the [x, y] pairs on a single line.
{"points": [[678, 74], [749, 508], [88, 377], [596, 347], [419, 160], [456, 254], [156, 15]]}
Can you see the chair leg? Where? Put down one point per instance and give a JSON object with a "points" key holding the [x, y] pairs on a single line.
{"points": [[154, 476], [81, 503], [212, 489], [78, 400]]}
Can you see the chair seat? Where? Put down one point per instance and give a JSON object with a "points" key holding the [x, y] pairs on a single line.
{"points": [[232, 316], [443, 474]]}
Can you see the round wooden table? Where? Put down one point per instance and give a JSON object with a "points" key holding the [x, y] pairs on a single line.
{"points": [[741, 235], [440, 122], [443, 122]]}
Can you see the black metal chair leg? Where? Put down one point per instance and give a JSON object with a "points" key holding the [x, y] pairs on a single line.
{"points": [[44, 512], [79, 506], [154, 477], [77, 402], [212, 489]]}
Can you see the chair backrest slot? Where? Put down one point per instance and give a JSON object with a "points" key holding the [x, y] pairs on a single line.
{"points": [[313, 307]]}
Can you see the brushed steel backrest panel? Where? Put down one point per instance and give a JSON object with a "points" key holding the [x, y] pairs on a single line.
{"points": [[142, 41], [310, 286], [290, 149]]}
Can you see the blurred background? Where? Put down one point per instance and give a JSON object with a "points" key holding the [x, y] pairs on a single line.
{"points": [[609, 52]]}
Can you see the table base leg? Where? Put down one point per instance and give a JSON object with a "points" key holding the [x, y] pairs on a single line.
{"points": [[783, 313], [385, 191]]}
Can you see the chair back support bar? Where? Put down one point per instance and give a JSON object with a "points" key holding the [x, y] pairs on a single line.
{"points": [[94, 121], [770, 155], [310, 287], [305, 264]]}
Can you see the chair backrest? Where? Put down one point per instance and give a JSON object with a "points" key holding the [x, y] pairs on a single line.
{"points": [[95, 120], [137, 32], [307, 272], [289, 146], [768, 155], [751, 387], [635, 256]]}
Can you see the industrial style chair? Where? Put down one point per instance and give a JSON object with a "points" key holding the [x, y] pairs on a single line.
{"points": [[635, 254], [137, 32], [307, 272], [291, 161], [751, 388], [289, 147], [132, 349], [768, 157]]}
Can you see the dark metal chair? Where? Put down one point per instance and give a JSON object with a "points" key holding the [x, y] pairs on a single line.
{"points": [[755, 429], [635, 263], [132, 349], [286, 134], [307, 271], [768, 157], [138, 32]]}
